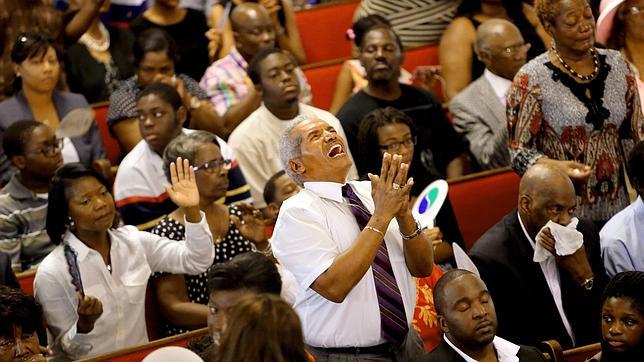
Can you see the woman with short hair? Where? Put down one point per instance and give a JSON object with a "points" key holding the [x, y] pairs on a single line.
{"points": [[577, 107]]}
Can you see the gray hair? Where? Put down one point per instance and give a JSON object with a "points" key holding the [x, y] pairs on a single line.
{"points": [[487, 31], [291, 148], [185, 146]]}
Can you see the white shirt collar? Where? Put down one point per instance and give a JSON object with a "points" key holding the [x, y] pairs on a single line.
{"points": [[532, 243], [499, 84], [327, 190], [506, 351]]}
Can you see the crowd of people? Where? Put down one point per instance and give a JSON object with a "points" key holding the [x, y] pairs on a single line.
{"points": [[287, 229]]}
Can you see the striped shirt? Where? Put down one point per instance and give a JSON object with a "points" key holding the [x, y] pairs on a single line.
{"points": [[418, 22], [227, 83], [138, 188], [22, 225]]}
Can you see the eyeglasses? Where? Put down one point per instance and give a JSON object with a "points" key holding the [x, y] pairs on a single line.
{"points": [[50, 150], [524, 47], [633, 10], [214, 166], [395, 146]]}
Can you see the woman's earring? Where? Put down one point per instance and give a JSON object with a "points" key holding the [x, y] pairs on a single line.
{"points": [[70, 223]]}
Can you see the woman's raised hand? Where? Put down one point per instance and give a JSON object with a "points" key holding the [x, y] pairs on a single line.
{"points": [[183, 191], [390, 190]]}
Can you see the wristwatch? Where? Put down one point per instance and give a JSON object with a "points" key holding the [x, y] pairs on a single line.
{"points": [[588, 283]]}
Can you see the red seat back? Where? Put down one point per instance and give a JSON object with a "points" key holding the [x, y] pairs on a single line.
{"points": [[322, 81], [26, 281], [481, 200], [112, 146], [322, 29]]}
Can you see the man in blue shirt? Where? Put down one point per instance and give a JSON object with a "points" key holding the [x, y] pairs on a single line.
{"points": [[622, 238]]}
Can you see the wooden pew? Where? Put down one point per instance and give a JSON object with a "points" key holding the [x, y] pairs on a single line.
{"points": [[137, 353], [112, 146], [322, 29], [553, 352], [480, 200], [26, 281]]}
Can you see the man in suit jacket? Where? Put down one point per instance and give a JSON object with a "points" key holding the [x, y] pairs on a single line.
{"points": [[478, 112], [467, 317], [558, 298]]}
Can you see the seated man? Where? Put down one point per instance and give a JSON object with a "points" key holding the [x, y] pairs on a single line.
{"points": [[621, 238], [343, 242], [255, 141], [278, 188], [478, 111], [381, 56], [138, 188], [558, 298], [35, 152], [20, 319], [467, 317], [226, 81]]}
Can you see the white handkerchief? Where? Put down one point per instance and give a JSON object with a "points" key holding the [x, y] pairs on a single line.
{"points": [[567, 240]]}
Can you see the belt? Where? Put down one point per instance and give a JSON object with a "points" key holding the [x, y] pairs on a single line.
{"points": [[381, 349]]}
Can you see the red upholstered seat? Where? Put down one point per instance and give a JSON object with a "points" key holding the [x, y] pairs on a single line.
{"points": [[481, 200], [111, 144], [322, 81], [26, 281], [323, 28]]}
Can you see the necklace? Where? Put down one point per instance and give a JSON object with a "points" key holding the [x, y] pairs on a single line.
{"points": [[97, 45], [584, 78]]}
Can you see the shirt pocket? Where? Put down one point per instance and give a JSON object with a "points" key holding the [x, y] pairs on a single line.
{"points": [[135, 283]]}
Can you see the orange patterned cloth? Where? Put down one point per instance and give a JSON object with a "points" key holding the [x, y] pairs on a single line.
{"points": [[425, 317]]}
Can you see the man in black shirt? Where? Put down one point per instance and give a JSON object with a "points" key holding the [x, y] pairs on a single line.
{"points": [[381, 56]]}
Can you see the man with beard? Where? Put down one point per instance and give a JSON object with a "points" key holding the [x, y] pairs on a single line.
{"points": [[256, 140], [381, 56], [467, 317]]}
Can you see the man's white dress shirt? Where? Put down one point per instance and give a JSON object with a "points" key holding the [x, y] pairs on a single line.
{"points": [[506, 351], [256, 145], [134, 256], [500, 85], [315, 226], [551, 273]]}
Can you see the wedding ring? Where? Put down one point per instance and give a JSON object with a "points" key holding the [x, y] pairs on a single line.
{"points": [[395, 186]]}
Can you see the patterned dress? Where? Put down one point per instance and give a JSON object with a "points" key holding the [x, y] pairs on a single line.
{"points": [[596, 123], [233, 244]]}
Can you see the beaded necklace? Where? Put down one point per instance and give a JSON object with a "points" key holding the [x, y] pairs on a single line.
{"points": [[97, 45], [584, 78]]}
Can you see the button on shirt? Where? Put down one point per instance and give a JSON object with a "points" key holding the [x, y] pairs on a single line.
{"points": [[500, 85], [134, 256], [622, 240], [551, 274], [315, 226], [506, 351]]}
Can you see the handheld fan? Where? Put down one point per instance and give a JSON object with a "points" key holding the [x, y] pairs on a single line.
{"points": [[429, 202]]}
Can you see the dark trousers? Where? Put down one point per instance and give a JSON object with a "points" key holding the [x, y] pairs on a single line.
{"points": [[411, 348]]}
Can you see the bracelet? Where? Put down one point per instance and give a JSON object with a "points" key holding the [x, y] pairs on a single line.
{"points": [[412, 235], [268, 251], [375, 230]]}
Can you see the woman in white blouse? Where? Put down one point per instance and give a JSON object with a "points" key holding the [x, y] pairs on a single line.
{"points": [[92, 286]]}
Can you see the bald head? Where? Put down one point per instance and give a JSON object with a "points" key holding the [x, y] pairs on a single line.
{"points": [[542, 179], [499, 45], [443, 283], [546, 193], [252, 28], [245, 12]]}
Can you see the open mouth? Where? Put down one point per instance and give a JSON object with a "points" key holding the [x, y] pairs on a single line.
{"points": [[336, 151]]}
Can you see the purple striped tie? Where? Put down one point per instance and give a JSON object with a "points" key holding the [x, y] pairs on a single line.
{"points": [[393, 320]]}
